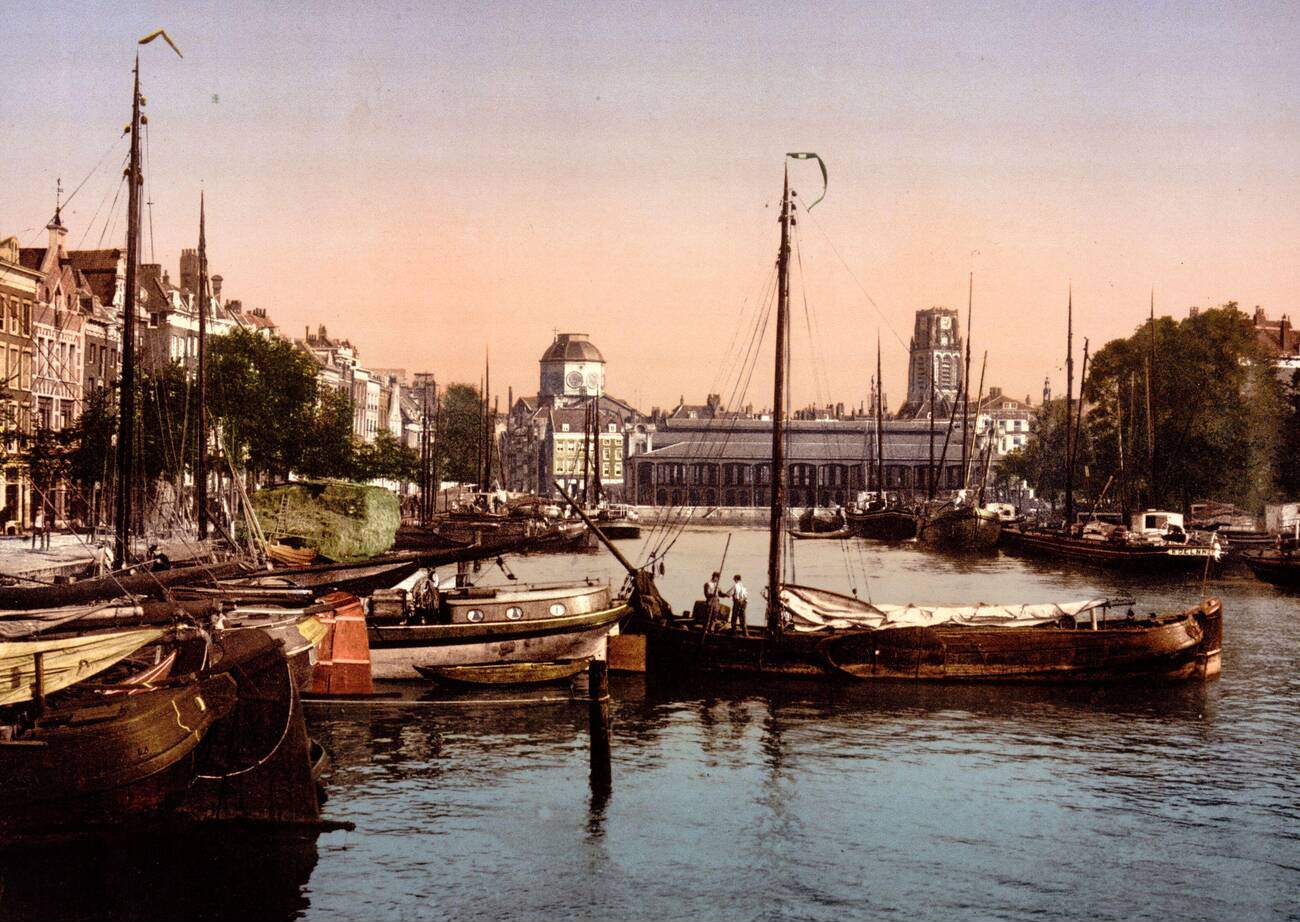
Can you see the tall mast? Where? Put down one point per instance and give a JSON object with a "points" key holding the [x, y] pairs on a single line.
{"points": [[1069, 406], [965, 378], [488, 422], [126, 406], [1151, 423], [424, 453], [929, 470], [777, 523], [880, 425], [201, 454]]}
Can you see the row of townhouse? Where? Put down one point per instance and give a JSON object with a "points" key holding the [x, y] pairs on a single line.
{"points": [[61, 313]]}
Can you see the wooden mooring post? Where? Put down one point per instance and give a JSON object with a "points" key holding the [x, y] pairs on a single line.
{"points": [[598, 717]]}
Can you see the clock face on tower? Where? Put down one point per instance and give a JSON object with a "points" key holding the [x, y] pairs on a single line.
{"points": [[573, 379], [593, 381]]}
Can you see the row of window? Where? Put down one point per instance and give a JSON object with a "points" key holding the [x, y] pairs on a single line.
{"points": [[16, 368], [56, 360], [19, 314]]}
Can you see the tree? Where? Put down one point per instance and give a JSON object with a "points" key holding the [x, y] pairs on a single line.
{"points": [[386, 459], [91, 459], [47, 458], [165, 425], [1215, 410], [1288, 474], [262, 392], [328, 450], [460, 433], [1219, 426]]}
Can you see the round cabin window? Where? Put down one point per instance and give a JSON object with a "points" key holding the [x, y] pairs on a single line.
{"points": [[514, 613], [558, 609], [474, 615]]}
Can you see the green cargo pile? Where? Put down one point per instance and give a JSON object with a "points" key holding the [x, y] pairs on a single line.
{"points": [[342, 521]]}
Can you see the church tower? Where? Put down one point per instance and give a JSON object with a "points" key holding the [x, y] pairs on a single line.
{"points": [[935, 353]]}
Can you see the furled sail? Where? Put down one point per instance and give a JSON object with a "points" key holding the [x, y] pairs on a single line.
{"points": [[65, 661]]}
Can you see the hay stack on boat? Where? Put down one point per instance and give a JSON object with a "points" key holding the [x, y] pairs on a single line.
{"points": [[342, 521]]}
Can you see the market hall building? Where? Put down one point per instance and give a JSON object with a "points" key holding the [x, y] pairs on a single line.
{"points": [[728, 461]]}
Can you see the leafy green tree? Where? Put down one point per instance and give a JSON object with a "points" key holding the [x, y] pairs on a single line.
{"points": [[1216, 408], [165, 424], [46, 455], [327, 449], [460, 432], [262, 392], [1288, 474], [386, 459], [1219, 424]]}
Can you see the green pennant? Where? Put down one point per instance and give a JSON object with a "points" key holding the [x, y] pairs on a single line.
{"points": [[808, 155]]}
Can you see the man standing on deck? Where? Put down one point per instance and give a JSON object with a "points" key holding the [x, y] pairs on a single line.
{"points": [[711, 600], [739, 596]]}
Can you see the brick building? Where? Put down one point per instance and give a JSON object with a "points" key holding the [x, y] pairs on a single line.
{"points": [[18, 287]]}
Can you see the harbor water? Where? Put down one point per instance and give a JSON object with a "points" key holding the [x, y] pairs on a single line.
{"points": [[782, 800]]}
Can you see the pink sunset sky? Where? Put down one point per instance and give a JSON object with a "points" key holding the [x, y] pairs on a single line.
{"points": [[431, 180]]}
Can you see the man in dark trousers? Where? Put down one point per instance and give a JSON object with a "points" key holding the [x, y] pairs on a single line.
{"points": [[739, 596]]}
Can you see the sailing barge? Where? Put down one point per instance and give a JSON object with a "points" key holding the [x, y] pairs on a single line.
{"points": [[1156, 542], [811, 632]]}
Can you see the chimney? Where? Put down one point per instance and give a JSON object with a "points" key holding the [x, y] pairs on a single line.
{"points": [[216, 288], [190, 271]]}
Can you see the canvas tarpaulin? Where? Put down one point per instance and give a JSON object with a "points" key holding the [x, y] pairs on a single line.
{"points": [[812, 610]]}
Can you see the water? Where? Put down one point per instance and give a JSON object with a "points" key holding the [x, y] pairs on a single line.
{"points": [[796, 801]]}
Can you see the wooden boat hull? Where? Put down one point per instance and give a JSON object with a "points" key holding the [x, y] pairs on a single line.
{"points": [[958, 530], [360, 579], [256, 764], [148, 584], [678, 648], [883, 525], [620, 531], [287, 556], [1182, 646], [1280, 568], [838, 534], [92, 769], [396, 650], [1041, 543], [504, 673]]}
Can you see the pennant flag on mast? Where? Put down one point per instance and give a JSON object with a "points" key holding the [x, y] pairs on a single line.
{"points": [[808, 155], [166, 38]]}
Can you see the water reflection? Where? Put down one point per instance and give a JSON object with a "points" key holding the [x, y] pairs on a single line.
{"points": [[784, 799], [217, 873]]}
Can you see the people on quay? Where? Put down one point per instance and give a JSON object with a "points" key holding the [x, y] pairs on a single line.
{"points": [[739, 596]]}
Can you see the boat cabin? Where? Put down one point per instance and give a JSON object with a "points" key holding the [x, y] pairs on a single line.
{"points": [[1156, 523], [1006, 512]]}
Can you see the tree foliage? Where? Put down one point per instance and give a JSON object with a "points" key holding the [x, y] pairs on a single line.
{"points": [[1215, 419], [262, 391], [328, 449], [460, 432], [385, 459]]}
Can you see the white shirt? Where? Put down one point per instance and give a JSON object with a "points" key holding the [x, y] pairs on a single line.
{"points": [[739, 592]]}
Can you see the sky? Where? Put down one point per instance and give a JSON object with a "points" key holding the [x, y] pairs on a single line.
{"points": [[437, 181]]}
